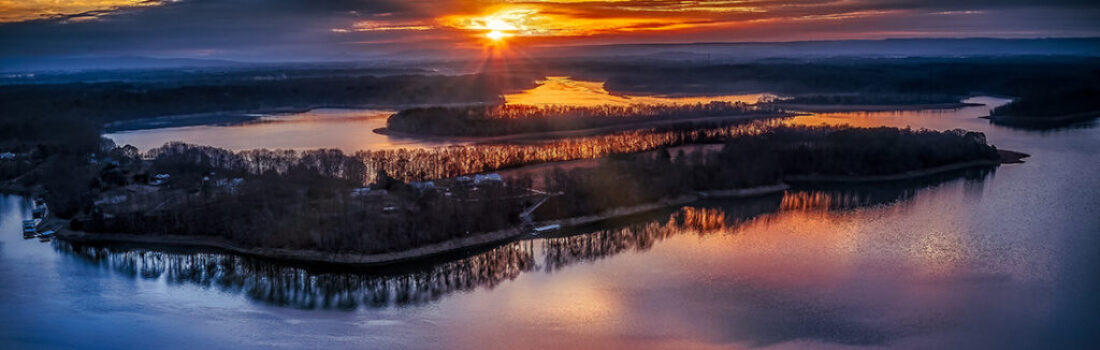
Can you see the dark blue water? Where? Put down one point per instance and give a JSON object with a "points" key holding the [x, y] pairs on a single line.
{"points": [[1001, 259]]}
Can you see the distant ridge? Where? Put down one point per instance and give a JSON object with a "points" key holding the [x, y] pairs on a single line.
{"points": [[702, 51], [31, 64], [918, 47]]}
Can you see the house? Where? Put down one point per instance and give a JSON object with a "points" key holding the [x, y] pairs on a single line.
{"points": [[423, 185], [160, 179], [111, 199], [487, 178], [362, 191]]}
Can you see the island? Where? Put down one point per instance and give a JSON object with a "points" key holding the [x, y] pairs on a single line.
{"points": [[326, 206], [868, 102], [1050, 109], [509, 119]]}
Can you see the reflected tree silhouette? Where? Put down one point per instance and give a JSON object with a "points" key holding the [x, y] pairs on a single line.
{"points": [[309, 288], [348, 288]]}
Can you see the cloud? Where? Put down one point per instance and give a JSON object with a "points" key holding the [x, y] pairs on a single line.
{"points": [[24, 10], [334, 29]]}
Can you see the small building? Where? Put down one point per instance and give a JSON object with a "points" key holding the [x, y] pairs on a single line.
{"points": [[160, 179], [423, 185], [362, 191], [111, 199], [487, 178], [547, 228]]}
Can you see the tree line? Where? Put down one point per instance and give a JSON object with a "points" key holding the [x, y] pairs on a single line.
{"points": [[306, 200], [508, 119], [757, 160]]}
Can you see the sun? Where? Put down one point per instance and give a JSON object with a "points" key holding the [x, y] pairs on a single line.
{"points": [[496, 35]]}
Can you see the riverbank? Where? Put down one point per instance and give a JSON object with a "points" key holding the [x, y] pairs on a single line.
{"points": [[584, 189], [1006, 157], [442, 248], [841, 108], [1043, 122], [496, 237], [589, 131], [241, 116], [13, 187], [668, 202], [308, 256]]}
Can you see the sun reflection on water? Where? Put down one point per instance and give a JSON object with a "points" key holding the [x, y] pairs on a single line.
{"points": [[561, 90]]}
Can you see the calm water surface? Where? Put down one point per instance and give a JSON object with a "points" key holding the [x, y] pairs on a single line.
{"points": [[352, 130], [560, 90], [349, 130], [1001, 259]]}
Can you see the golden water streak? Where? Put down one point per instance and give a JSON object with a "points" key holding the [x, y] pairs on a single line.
{"points": [[559, 90]]}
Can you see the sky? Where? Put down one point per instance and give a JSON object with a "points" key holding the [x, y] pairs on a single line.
{"points": [[287, 30]]}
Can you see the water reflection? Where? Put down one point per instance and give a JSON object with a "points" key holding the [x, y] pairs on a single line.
{"points": [[560, 90], [309, 288], [843, 197], [702, 220], [326, 287], [349, 130]]}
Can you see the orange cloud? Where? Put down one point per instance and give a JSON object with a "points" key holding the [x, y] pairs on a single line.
{"points": [[535, 21], [367, 26], [24, 10]]}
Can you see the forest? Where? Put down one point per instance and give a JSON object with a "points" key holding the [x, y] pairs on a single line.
{"points": [[758, 160], [870, 99], [309, 200], [963, 76], [300, 200], [1060, 106], [506, 119], [67, 113], [1040, 85], [72, 114], [304, 200]]}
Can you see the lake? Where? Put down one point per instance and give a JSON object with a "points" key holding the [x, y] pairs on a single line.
{"points": [[985, 259], [349, 130], [352, 130]]}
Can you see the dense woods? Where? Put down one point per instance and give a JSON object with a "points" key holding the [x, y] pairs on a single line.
{"points": [[289, 284], [871, 99], [435, 163], [315, 200], [1010, 76], [758, 160], [1051, 105], [1042, 86], [301, 200], [312, 200], [515, 119], [72, 114]]}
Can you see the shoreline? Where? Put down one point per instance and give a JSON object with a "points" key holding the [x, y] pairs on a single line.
{"points": [[668, 202], [843, 108], [496, 237], [244, 115], [414, 254], [583, 132], [1006, 157], [1025, 121], [296, 255]]}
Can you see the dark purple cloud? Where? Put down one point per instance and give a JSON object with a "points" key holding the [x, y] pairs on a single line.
{"points": [[273, 30]]}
